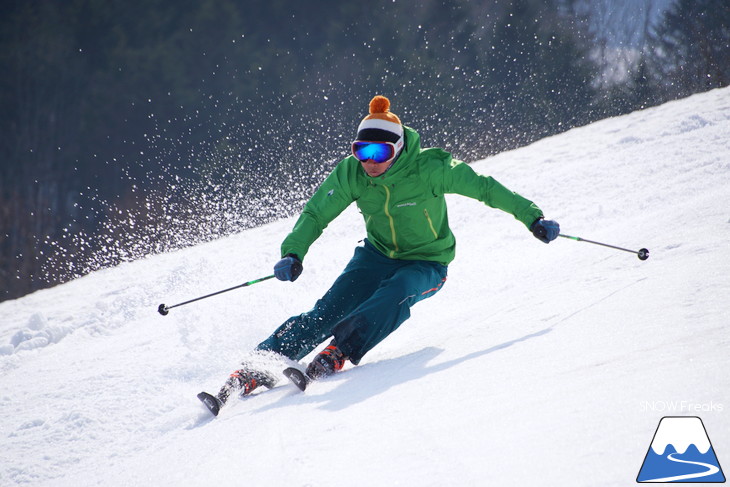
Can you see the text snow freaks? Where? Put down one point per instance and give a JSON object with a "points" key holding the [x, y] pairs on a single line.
{"points": [[681, 406]]}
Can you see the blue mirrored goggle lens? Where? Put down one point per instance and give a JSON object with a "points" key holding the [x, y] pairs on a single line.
{"points": [[375, 151]]}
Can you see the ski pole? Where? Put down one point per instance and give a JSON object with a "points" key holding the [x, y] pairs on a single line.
{"points": [[163, 310], [642, 253]]}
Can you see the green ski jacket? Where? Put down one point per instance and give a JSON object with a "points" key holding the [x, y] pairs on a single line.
{"points": [[404, 208]]}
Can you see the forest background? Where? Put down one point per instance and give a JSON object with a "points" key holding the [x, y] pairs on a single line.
{"points": [[130, 128]]}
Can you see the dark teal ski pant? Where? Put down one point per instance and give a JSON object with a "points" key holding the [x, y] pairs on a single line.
{"points": [[367, 302]]}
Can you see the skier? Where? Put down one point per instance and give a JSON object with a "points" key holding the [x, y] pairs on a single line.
{"points": [[399, 188]]}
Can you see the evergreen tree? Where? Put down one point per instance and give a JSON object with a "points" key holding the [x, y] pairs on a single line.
{"points": [[541, 74], [691, 47]]}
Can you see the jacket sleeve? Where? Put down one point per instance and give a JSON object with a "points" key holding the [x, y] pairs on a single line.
{"points": [[458, 177], [330, 199]]}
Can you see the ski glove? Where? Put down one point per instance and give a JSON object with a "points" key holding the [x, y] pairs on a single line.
{"points": [[545, 230], [288, 268]]}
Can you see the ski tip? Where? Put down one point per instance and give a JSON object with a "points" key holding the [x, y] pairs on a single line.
{"points": [[211, 402], [297, 377]]}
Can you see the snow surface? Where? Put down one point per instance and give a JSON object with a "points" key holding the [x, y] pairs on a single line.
{"points": [[535, 365]]}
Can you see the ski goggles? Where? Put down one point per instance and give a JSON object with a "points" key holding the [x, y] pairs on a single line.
{"points": [[378, 152]]}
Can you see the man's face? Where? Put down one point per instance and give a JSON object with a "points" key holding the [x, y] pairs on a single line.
{"points": [[376, 157]]}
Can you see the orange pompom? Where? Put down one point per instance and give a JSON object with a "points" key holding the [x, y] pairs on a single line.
{"points": [[379, 104]]}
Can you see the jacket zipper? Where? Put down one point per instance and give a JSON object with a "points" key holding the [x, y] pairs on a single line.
{"points": [[392, 224], [430, 224]]}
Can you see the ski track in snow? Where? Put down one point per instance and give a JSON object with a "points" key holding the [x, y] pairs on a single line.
{"points": [[529, 367], [711, 470]]}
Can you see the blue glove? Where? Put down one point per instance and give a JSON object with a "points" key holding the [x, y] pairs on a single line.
{"points": [[288, 268], [545, 230]]}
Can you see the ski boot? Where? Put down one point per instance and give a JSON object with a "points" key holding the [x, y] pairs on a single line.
{"points": [[327, 362]]}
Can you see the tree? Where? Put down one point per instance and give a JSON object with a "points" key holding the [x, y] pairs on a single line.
{"points": [[691, 48], [541, 74]]}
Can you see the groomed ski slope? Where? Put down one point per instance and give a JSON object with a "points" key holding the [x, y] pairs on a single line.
{"points": [[545, 365]]}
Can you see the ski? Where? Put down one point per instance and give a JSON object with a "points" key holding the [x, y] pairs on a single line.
{"points": [[214, 403], [297, 377], [211, 402]]}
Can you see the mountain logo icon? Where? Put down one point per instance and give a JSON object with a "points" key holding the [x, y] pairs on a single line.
{"points": [[680, 452]]}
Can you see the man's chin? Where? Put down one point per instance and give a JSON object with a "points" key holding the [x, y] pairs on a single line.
{"points": [[375, 171]]}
